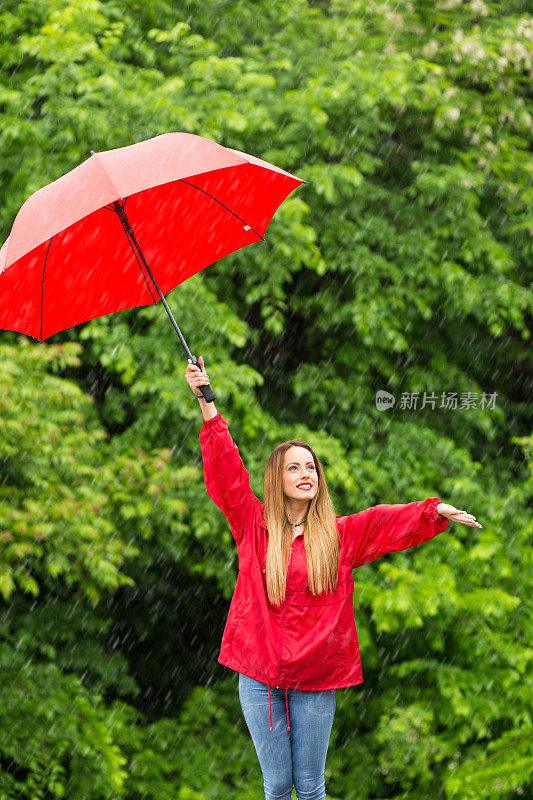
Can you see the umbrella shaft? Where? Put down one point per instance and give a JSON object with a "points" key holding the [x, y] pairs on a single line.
{"points": [[160, 293], [129, 232]]}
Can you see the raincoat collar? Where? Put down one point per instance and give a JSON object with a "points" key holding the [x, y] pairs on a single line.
{"points": [[261, 516]]}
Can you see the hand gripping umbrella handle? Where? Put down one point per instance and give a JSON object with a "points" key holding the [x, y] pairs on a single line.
{"points": [[205, 389]]}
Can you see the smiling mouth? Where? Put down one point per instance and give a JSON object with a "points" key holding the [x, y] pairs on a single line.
{"points": [[305, 487]]}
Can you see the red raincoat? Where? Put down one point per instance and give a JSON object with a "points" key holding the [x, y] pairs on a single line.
{"points": [[309, 642]]}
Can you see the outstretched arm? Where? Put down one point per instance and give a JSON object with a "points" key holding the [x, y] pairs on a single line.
{"points": [[382, 529]]}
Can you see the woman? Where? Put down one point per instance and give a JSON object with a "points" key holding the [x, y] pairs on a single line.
{"points": [[290, 631]]}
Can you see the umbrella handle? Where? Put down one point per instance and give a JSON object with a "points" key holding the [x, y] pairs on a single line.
{"points": [[205, 389]]}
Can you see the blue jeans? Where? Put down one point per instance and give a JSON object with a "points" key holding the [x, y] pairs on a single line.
{"points": [[297, 756]]}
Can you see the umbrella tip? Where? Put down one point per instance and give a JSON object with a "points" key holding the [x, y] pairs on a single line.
{"points": [[92, 152]]}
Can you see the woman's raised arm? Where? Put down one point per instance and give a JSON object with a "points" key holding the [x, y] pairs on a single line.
{"points": [[196, 378], [226, 478]]}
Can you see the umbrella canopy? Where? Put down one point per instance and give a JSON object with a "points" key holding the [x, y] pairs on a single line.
{"points": [[189, 200]]}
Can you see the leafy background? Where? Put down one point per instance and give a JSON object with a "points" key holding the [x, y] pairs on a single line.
{"points": [[403, 265]]}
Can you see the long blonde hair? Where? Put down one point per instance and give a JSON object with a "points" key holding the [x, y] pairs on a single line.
{"points": [[321, 537]]}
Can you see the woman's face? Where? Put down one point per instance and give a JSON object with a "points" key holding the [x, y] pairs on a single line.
{"points": [[299, 471]]}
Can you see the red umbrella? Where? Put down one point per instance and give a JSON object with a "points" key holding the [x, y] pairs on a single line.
{"points": [[190, 202]]}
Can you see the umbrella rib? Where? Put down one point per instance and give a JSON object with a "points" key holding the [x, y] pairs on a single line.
{"points": [[42, 286], [223, 206]]}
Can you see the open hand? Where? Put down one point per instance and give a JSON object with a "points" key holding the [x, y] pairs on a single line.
{"points": [[452, 513]]}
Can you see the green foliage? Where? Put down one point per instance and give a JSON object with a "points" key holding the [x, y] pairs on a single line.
{"points": [[68, 504], [55, 737], [402, 264]]}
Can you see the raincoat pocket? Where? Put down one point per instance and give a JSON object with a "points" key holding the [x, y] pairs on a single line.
{"points": [[236, 620]]}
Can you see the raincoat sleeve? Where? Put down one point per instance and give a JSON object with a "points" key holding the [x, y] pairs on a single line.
{"points": [[383, 529], [226, 478]]}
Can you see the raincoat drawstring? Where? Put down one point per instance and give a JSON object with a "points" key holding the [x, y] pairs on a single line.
{"points": [[270, 708]]}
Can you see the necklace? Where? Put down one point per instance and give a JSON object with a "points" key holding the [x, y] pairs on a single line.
{"points": [[296, 524]]}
